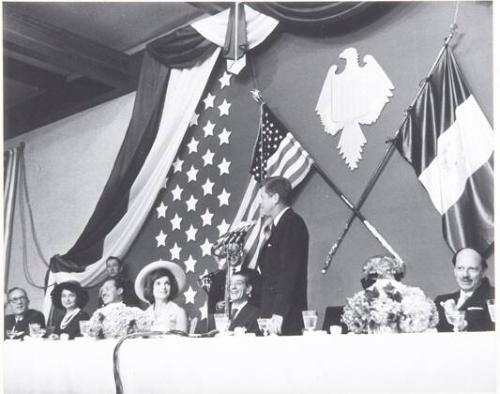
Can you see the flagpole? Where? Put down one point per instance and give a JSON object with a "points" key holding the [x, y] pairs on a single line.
{"points": [[256, 95], [388, 154]]}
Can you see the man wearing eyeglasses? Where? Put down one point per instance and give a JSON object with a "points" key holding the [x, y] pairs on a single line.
{"points": [[17, 323]]}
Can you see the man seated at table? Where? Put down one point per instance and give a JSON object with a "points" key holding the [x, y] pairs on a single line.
{"points": [[115, 269], [111, 291], [474, 290], [243, 313], [115, 318], [22, 316]]}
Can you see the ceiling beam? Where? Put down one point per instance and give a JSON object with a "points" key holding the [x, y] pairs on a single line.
{"points": [[73, 97], [78, 55], [30, 75]]}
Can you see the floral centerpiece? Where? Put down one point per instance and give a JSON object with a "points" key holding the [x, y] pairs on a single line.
{"points": [[116, 320], [387, 305]]}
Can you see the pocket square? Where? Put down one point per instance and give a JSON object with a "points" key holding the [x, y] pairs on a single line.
{"points": [[475, 308]]}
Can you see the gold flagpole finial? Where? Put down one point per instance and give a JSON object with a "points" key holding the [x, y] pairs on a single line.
{"points": [[256, 96]]}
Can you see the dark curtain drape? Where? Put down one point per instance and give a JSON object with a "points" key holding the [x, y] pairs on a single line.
{"points": [[182, 48], [304, 17]]}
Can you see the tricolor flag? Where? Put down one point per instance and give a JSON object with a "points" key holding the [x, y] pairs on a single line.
{"points": [[276, 153], [449, 142]]}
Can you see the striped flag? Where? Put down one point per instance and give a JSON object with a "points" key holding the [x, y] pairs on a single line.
{"points": [[449, 142], [276, 153]]}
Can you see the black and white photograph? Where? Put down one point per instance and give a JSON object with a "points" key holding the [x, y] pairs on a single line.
{"points": [[261, 197]]}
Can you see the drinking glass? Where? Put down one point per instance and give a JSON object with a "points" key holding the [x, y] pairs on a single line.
{"points": [[335, 330], [221, 322], [491, 309], [36, 331], [263, 325], [310, 320], [457, 319], [84, 328]]}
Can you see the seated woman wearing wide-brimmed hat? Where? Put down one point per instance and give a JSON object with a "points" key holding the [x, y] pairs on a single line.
{"points": [[71, 297], [158, 284]]}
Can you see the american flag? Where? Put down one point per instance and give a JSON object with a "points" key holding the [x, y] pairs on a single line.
{"points": [[276, 153]]}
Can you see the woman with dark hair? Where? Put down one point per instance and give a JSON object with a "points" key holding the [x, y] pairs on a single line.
{"points": [[158, 284], [71, 297]]}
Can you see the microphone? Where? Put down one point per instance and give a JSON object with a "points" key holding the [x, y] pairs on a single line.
{"points": [[231, 240]]}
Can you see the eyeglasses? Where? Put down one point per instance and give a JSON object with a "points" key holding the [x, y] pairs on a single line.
{"points": [[18, 299]]}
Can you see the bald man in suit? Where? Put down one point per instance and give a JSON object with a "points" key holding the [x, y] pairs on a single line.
{"points": [[469, 269]]}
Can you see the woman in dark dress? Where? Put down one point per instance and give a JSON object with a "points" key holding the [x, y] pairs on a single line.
{"points": [[71, 297]]}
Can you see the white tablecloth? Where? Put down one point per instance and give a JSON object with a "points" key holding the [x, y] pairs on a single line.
{"points": [[462, 362]]}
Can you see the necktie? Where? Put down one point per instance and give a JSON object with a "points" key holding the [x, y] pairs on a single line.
{"points": [[463, 298], [234, 311], [266, 232]]}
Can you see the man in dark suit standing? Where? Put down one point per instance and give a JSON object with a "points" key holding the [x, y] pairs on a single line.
{"points": [[282, 259], [475, 290], [243, 313], [22, 316]]}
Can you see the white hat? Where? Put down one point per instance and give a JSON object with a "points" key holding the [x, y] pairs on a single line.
{"points": [[175, 269]]}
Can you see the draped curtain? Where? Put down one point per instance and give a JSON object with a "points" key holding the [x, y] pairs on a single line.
{"points": [[302, 16], [11, 164]]}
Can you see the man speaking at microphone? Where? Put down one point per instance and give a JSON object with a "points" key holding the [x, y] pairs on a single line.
{"points": [[282, 259]]}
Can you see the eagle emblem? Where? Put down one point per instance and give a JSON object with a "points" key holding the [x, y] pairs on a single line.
{"points": [[354, 97]]}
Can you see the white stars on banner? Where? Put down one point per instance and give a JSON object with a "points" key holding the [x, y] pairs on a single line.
{"points": [[190, 294], [190, 264], [225, 80], [178, 165], [191, 233], [194, 120], [224, 198], [206, 248], [160, 239], [193, 145], [207, 218], [224, 108], [223, 227], [224, 166], [224, 137], [176, 222], [161, 210], [191, 203], [207, 187], [209, 101], [193, 209], [192, 174], [208, 129], [208, 158], [175, 252]]}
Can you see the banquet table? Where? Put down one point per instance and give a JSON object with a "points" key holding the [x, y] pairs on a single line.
{"points": [[315, 363]]}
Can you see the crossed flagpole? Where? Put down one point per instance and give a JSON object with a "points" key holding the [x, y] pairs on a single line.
{"points": [[355, 211], [385, 159]]}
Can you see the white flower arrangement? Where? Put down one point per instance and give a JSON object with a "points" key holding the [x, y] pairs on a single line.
{"points": [[389, 306], [116, 320]]}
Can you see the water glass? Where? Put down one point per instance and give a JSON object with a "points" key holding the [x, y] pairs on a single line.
{"points": [[221, 322], [491, 309], [264, 325], [84, 328], [36, 331], [310, 319], [457, 319], [335, 330]]}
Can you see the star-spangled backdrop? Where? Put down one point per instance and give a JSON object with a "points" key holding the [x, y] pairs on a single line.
{"points": [[203, 189]]}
